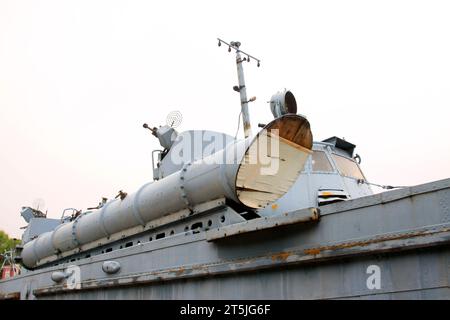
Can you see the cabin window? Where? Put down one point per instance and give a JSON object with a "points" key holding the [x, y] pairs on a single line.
{"points": [[348, 167], [320, 162]]}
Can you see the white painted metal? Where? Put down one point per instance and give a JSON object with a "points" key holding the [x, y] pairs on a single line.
{"points": [[243, 96]]}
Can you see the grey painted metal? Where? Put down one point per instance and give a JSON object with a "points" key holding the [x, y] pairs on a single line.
{"points": [[374, 246], [305, 191], [111, 267], [28, 213], [304, 215], [37, 226], [406, 233], [341, 279], [59, 276]]}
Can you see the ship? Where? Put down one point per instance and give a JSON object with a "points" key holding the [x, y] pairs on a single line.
{"points": [[275, 215]]}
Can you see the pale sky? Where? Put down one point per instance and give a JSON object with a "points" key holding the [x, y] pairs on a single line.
{"points": [[78, 79]]}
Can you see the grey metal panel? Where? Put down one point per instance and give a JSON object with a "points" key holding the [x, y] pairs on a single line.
{"points": [[304, 215], [312, 261], [335, 252], [37, 226], [342, 279]]}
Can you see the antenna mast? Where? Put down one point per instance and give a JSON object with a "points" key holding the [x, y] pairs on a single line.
{"points": [[241, 88]]}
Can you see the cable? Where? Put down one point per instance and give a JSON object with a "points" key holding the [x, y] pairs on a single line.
{"points": [[381, 186], [239, 124]]}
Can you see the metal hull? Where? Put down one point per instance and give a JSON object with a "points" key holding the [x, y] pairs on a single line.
{"points": [[405, 233]]}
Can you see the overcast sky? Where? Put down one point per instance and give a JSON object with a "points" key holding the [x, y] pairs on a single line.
{"points": [[78, 79]]}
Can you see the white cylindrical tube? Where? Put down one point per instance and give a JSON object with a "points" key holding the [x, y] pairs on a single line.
{"points": [[228, 173]]}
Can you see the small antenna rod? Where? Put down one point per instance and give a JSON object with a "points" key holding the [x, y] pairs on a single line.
{"points": [[241, 88]]}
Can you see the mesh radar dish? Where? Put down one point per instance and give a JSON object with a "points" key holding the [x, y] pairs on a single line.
{"points": [[38, 204], [174, 119]]}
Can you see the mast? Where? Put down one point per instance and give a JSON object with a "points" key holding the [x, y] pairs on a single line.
{"points": [[241, 88]]}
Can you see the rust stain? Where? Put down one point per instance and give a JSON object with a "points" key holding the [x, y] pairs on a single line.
{"points": [[295, 129], [318, 250], [312, 251], [274, 206], [282, 256], [10, 296], [180, 271], [315, 214]]}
